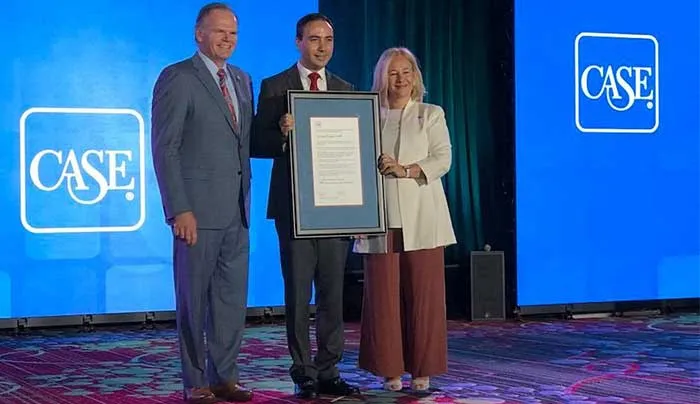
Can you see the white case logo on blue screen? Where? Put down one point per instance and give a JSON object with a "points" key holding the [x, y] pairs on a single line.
{"points": [[617, 83], [82, 170]]}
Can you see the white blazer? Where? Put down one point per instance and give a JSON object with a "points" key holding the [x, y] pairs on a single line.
{"points": [[425, 216]]}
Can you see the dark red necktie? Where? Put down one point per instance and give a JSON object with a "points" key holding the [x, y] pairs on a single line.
{"points": [[224, 89], [313, 76]]}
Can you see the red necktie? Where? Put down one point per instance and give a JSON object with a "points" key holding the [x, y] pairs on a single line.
{"points": [[313, 76], [224, 89]]}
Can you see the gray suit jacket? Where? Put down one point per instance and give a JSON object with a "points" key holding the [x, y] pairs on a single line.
{"points": [[202, 162], [267, 140]]}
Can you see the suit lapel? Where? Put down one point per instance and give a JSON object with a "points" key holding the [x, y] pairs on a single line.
{"points": [[241, 96], [332, 83], [210, 84], [294, 79], [336, 84]]}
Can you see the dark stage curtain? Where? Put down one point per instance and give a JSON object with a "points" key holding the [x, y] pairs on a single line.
{"points": [[459, 45], [452, 41]]}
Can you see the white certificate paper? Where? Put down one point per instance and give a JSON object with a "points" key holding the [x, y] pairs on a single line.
{"points": [[335, 150]]}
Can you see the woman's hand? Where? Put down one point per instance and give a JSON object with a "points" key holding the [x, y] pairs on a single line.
{"points": [[389, 166]]}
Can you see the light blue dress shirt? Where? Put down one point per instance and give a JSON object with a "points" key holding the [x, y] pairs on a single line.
{"points": [[214, 69]]}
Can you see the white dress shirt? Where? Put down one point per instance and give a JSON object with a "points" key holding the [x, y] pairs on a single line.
{"points": [[306, 81], [390, 146]]}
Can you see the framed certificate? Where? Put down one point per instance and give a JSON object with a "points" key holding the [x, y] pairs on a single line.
{"points": [[334, 147]]}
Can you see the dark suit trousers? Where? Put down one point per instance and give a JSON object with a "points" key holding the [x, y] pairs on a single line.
{"points": [[321, 263], [211, 283]]}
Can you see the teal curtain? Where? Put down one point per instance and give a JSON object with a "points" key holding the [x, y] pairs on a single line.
{"points": [[451, 40]]}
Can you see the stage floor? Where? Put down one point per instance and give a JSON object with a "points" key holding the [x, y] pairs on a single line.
{"points": [[617, 360]]}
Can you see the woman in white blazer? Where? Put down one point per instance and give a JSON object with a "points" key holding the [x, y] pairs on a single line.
{"points": [[404, 325]]}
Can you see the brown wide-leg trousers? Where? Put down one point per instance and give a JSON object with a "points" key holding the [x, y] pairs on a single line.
{"points": [[404, 325]]}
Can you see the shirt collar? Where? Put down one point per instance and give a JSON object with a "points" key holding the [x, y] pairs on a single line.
{"points": [[305, 72], [213, 68]]}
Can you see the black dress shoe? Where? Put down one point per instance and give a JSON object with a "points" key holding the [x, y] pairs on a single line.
{"points": [[232, 392], [337, 387], [306, 390], [202, 395]]}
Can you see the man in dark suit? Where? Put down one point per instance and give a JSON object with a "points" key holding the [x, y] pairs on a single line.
{"points": [[304, 262], [202, 115]]}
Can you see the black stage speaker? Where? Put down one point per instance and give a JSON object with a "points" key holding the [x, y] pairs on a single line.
{"points": [[488, 287], [353, 287]]}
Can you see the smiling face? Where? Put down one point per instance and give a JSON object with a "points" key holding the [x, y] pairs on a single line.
{"points": [[217, 35], [316, 45], [401, 78]]}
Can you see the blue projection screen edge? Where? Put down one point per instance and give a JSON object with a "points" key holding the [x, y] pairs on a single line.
{"points": [[607, 177], [79, 87]]}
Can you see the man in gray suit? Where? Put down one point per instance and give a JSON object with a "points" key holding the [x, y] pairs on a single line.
{"points": [[202, 115], [304, 262]]}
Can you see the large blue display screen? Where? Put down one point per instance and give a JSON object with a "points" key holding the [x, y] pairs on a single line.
{"points": [[607, 150], [82, 223]]}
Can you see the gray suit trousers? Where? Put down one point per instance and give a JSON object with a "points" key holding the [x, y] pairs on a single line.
{"points": [[211, 280]]}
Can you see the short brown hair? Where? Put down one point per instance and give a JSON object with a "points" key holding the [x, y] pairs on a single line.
{"points": [[207, 9], [301, 24]]}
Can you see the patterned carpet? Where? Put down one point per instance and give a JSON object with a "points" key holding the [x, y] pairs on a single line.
{"points": [[620, 360]]}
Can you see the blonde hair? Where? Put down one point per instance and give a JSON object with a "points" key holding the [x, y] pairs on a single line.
{"points": [[381, 75]]}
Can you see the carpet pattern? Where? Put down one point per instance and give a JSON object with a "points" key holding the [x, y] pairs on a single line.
{"points": [[617, 360]]}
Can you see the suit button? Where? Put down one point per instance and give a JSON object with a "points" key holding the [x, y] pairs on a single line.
{"points": [[240, 172]]}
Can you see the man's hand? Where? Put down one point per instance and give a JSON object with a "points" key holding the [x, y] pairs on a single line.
{"points": [[286, 124], [185, 228], [389, 166]]}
